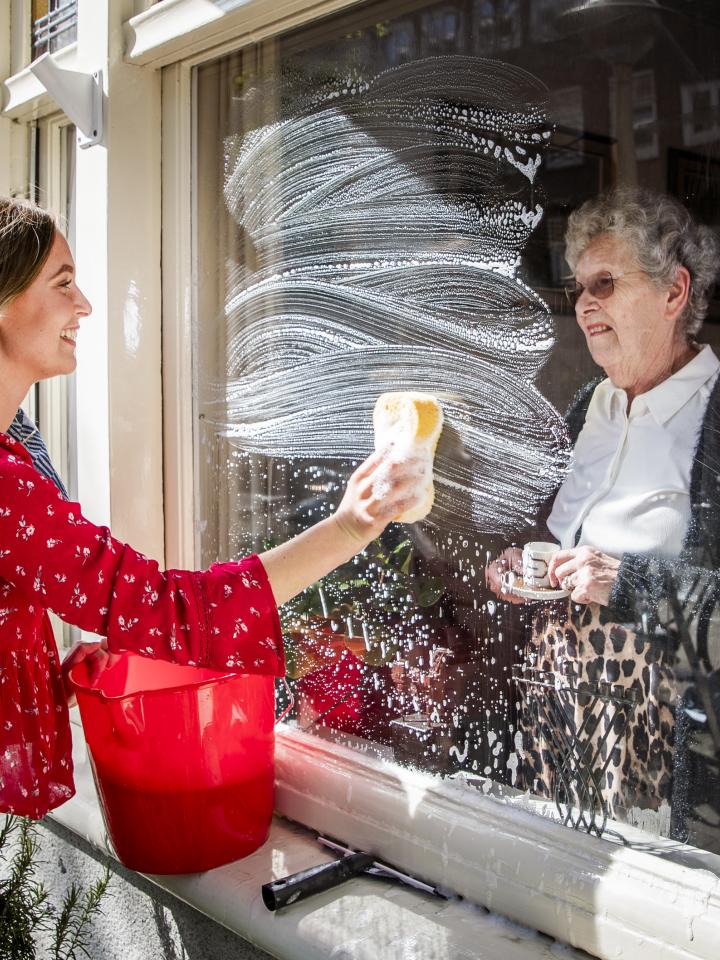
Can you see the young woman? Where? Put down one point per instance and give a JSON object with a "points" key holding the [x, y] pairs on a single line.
{"points": [[52, 558]]}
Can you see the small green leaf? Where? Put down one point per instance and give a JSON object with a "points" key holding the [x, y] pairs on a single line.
{"points": [[428, 591]]}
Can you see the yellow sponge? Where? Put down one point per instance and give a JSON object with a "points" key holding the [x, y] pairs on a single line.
{"points": [[409, 425]]}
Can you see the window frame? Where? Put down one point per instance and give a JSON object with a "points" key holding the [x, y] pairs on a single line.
{"points": [[54, 395], [594, 894], [21, 35], [55, 414]]}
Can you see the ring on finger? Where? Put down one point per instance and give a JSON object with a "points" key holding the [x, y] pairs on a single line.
{"points": [[567, 583]]}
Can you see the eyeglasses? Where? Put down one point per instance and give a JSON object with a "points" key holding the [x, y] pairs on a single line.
{"points": [[601, 286]]}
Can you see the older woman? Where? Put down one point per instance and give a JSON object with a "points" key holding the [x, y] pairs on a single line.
{"points": [[637, 516]]}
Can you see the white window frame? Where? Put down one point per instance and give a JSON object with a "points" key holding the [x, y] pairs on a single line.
{"points": [[594, 894], [52, 182], [21, 40], [54, 396]]}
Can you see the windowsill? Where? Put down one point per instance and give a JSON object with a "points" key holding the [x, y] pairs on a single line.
{"points": [[596, 894], [363, 919], [372, 763], [26, 98], [591, 893]]}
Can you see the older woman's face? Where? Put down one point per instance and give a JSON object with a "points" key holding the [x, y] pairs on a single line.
{"points": [[632, 334]]}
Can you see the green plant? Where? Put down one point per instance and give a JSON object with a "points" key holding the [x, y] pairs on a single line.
{"points": [[373, 597], [23, 902], [26, 913]]}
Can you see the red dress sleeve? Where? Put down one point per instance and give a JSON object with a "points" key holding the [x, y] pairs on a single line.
{"points": [[224, 617]]}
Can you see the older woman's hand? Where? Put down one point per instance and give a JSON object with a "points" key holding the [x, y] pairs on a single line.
{"points": [[509, 560], [585, 571]]}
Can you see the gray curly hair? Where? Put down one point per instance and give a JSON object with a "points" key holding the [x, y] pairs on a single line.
{"points": [[663, 236]]}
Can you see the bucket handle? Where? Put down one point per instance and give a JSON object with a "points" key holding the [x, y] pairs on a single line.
{"points": [[128, 720], [291, 703]]}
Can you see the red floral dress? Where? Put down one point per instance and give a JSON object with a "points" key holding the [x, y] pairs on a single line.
{"points": [[52, 558]]}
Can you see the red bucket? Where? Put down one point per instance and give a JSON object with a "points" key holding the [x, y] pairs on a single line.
{"points": [[182, 759]]}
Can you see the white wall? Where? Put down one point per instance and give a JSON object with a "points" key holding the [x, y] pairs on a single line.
{"points": [[118, 254]]}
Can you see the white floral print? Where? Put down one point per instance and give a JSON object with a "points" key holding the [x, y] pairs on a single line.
{"points": [[50, 552]]}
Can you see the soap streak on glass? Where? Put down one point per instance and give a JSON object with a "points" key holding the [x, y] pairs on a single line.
{"points": [[387, 244]]}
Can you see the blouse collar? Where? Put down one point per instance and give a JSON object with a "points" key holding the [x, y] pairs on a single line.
{"points": [[668, 397]]}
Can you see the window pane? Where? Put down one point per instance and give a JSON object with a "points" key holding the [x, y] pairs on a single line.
{"points": [[381, 205]]}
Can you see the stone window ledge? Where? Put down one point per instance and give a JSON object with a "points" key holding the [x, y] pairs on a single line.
{"points": [[363, 919]]}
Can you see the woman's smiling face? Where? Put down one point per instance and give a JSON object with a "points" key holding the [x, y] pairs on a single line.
{"points": [[38, 328], [633, 334]]}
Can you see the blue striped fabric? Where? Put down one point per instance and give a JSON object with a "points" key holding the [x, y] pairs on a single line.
{"points": [[24, 430]]}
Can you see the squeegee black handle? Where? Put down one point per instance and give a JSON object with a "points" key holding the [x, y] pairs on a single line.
{"points": [[281, 893]]}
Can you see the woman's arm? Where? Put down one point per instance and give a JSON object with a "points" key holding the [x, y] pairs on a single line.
{"points": [[225, 617], [632, 589], [59, 560], [643, 582], [361, 517]]}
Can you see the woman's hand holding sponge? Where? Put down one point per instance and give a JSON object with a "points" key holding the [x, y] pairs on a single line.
{"points": [[394, 483]]}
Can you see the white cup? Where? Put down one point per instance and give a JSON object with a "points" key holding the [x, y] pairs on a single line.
{"points": [[536, 560]]}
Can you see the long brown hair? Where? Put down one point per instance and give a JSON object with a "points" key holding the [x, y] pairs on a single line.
{"points": [[27, 233]]}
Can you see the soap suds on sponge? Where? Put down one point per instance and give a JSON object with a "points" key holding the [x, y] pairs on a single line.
{"points": [[407, 427]]}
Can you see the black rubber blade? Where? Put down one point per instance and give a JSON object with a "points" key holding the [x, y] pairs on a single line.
{"points": [[281, 893]]}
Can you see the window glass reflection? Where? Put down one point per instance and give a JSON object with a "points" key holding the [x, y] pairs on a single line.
{"points": [[380, 206]]}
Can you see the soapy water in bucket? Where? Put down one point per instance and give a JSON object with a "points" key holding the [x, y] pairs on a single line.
{"points": [[182, 758], [203, 827]]}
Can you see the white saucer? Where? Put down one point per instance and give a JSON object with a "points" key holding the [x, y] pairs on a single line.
{"points": [[513, 583]]}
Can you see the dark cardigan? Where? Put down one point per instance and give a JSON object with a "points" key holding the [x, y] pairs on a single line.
{"points": [[643, 580]]}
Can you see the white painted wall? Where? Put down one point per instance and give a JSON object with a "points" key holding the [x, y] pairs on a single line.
{"points": [[13, 136], [118, 260]]}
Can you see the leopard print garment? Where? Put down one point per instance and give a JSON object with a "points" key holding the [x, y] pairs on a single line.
{"points": [[639, 774]]}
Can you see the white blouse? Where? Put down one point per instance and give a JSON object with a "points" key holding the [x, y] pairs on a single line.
{"points": [[628, 489]]}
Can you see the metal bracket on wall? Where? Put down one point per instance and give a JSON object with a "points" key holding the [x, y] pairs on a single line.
{"points": [[80, 95]]}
